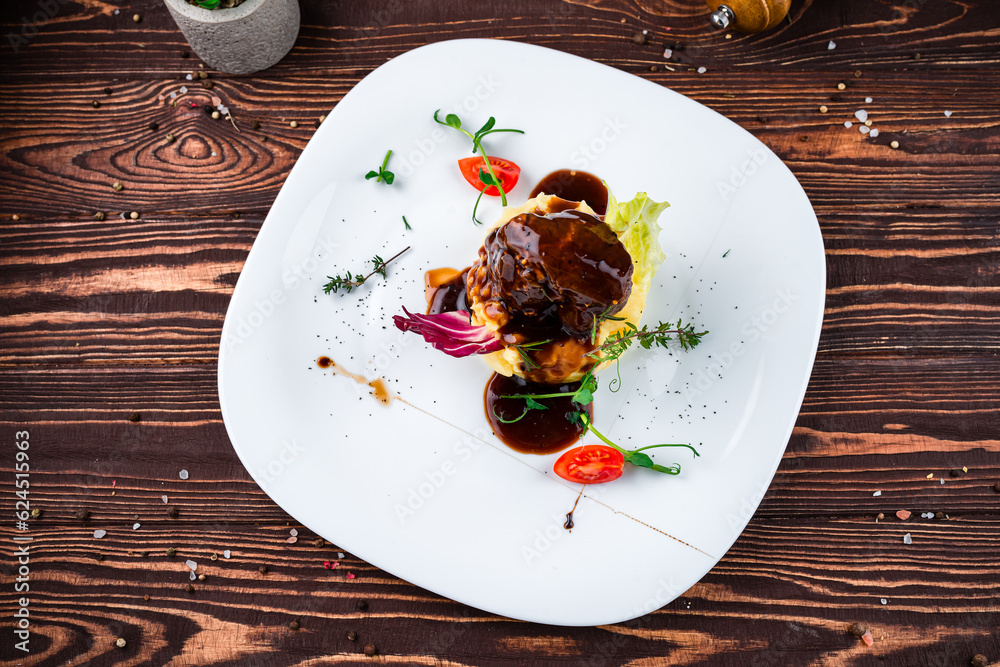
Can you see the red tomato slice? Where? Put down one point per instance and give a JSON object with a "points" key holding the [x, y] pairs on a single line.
{"points": [[506, 171], [590, 464]]}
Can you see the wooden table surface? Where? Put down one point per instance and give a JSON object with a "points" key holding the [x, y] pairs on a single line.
{"points": [[110, 334]]}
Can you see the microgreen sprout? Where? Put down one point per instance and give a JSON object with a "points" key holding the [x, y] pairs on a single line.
{"points": [[487, 177], [209, 4], [634, 456], [349, 281], [406, 224], [382, 174]]}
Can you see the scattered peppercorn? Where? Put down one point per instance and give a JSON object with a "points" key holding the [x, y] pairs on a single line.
{"points": [[255, 124], [15, 217], [82, 515], [120, 642], [957, 472], [136, 18], [352, 636], [99, 557], [361, 605], [135, 416], [144, 554], [185, 54], [639, 38], [135, 216], [146, 598], [823, 109], [216, 115], [319, 542], [857, 74], [203, 75], [189, 588], [171, 551], [207, 84], [980, 660], [857, 629], [262, 569], [654, 68], [214, 557], [100, 215], [894, 144], [95, 104], [172, 512], [236, 216], [154, 126], [107, 91], [36, 513], [841, 86], [916, 56], [804, 138], [294, 124], [117, 186], [207, 108], [322, 118], [996, 487], [171, 138], [370, 650], [294, 625], [202, 577], [939, 515]]}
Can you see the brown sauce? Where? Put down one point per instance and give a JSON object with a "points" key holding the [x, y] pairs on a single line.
{"points": [[575, 186], [540, 431], [444, 290], [379, 389]]}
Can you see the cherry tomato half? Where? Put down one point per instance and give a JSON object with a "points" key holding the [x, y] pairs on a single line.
{"points": [[506, 171], [590, 464]]}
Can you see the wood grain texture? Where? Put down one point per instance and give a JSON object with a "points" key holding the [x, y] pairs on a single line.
{"points": [[103, 321]]}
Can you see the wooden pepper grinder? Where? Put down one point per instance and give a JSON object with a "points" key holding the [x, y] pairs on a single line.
{"points": [[748, 15]]}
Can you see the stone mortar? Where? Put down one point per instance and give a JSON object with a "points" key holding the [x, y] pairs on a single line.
{"points": [[241, 40]]}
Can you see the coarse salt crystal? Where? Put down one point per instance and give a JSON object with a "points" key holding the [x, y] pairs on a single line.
{"points": [[214, 154], [668, 53], [100, 533], [135, 526], [189, 77], [877, 494], [903, 515], [292, 540], [864, 129], [173, 94], [942, 480], [192, 576], [191, 565], [164, 499], [884, 601], [861, 115], [227, 553], [184, 89], [117, 12], [340, 554], [831, 46], [907, 539], [848, 123], [927, 515], [947, 114], [293, 532], [702, 70], [874, 132], [867, 638], [868, 100], [183, 474]]}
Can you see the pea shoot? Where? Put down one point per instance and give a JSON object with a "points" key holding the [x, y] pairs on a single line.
{"points": [[488, 177], [383, 175]]}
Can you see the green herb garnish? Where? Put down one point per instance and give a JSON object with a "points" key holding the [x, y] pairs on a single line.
{"points": [[406, 224], [349, 281], [382, 174], [488, 177], [633, 456]]}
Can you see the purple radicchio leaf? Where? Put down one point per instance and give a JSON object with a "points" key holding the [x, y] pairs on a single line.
{"points": [[452, 333]]}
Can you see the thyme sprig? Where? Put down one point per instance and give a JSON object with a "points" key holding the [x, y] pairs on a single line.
{"points": [[488, 177], [611, 351], [349, 281]]}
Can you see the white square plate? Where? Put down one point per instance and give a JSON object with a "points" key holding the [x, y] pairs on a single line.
{"points": [[422, 488]]}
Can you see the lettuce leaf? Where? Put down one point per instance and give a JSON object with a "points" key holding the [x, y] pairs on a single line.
{"points": [[635, 223]]}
